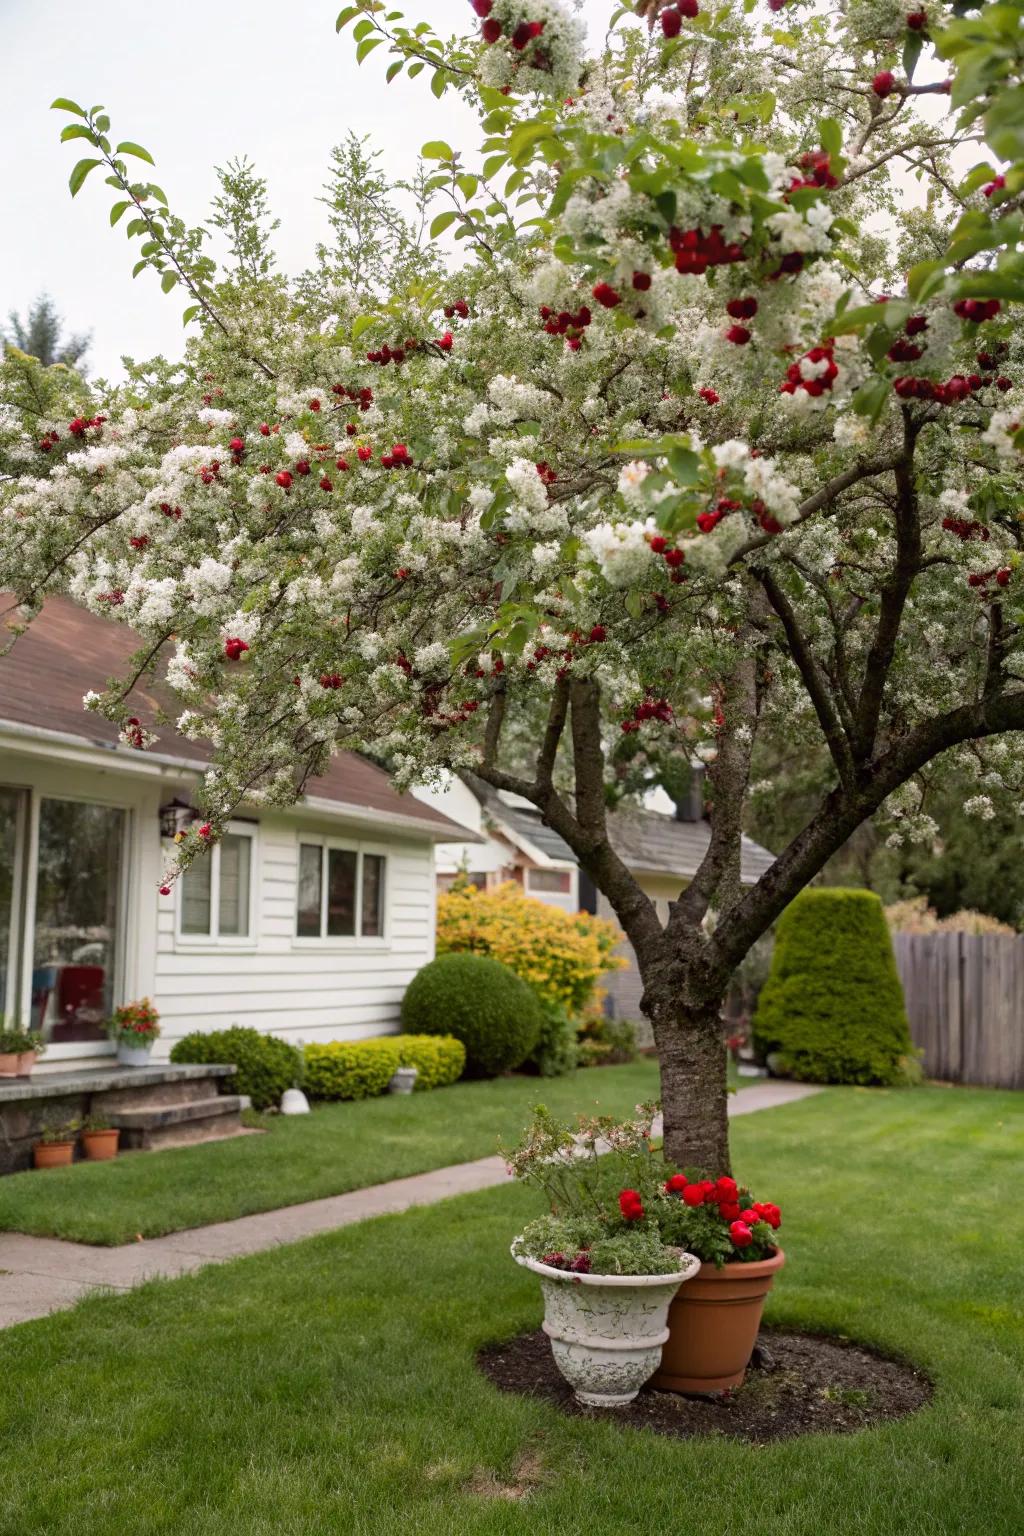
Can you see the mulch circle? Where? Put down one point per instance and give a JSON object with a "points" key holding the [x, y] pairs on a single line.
{"points": [[797, 1384]]}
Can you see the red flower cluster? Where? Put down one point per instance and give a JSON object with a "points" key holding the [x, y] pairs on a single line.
{"points": [[460, 308], [725, 1193], [650, 709], [81, 424], [965, 529], [695, 251], [631, 1205], [361, 397], [982, 578], [710, 396], [711, 519], [387, 355], [818, 164], [917, 20], [234, 649], [331, 680], [672, 556], [398, 458], [997, 184], [959, 387], [884, 83], [817, 386], [566, 324], [606, 295], [977, 310], [578, 1265], [672, 18], [169, 511]]}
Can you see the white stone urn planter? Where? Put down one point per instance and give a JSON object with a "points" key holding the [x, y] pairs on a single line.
{"points": [[404, 1080], [607, 1331], [133, 1055]]}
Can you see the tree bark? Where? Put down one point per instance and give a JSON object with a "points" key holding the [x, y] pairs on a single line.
{"points": [[691, 1052]]}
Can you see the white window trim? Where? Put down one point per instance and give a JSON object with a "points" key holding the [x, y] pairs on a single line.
{"points": [[229, 942], [357, 940]]}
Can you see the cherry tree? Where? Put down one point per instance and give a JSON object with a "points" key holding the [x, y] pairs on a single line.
{"points": [[713, 430]]}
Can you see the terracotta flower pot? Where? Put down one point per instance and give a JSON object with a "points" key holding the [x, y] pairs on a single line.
{"points": [[713, 1323], [53, 1154], [26, 1061], [9, 1064], [100, 1146]]}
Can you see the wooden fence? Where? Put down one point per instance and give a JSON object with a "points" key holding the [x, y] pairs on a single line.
{"points": [[965, 1002]]}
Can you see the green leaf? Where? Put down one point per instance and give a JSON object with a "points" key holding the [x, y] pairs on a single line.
{"points": [[366, 47], [139, 266], [79, 174], [442, 222], [634, 604], [685, 466], [168, 281], [394, 69], [116, 212], [128, 148], [415, 69], [830, 134], [912, 52], [362, 29], [437, 149], [871, 397], [64, 104], [921, 279], [77, 131], [439, 84], [190, 313], [345, 16], [361, 324]]}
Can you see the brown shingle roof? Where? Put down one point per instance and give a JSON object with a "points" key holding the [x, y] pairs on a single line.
{"points": [[66, 651]]}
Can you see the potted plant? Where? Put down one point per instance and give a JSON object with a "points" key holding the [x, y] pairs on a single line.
{"points": [[606, 1276], [135, 1026], [24, 1046], [713, 1321], [403, 1080], [56, 1145], [99, 1138], [10, 1050]]}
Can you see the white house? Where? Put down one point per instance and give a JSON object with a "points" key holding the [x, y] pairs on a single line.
{"points": [[308, 923]]}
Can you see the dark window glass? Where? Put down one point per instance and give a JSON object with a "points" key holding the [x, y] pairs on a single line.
{"points": [[310, 867], [373, 896], [341, 893]]}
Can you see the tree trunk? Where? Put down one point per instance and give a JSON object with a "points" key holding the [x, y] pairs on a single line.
{"points": [[694, 1098]]}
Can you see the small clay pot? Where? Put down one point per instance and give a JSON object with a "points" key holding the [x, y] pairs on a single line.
{"points": [[9, 1064], [53, 1154], [26, 1061], [713, 1323], [100, 1146]]}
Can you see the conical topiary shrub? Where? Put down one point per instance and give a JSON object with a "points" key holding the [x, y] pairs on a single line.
{"points": [[832, 1008]]}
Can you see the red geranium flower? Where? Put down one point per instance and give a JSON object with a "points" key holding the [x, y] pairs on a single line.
{"points": [[631, 1205]]}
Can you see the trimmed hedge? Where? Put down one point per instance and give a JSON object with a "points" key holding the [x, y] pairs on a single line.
{"points": [[362, 1069], [266, 1065], [832, 1009], [479, 1001]]}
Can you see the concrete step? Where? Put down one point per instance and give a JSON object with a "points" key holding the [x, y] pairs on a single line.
{"points": [[176, 1125], [145, 1096]]}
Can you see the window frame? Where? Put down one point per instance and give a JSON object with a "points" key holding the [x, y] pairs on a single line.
{"points": [[360, 848], [217, 940], [542, 890]]}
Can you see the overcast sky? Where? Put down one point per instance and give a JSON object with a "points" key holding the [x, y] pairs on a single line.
{"points": [[197, 82]]}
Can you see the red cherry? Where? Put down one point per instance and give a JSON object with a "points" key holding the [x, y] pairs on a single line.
{"points": [[283, 478], [883, 83]]}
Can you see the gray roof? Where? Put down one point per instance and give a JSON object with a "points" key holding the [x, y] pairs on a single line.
{"points": [[655, 844], [647, 841]]}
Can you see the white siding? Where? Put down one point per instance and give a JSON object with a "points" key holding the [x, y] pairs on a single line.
{"points": [[308, 990]]}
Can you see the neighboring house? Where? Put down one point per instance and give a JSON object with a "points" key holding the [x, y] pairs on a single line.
{"points": [[662, 851], [512, 843], [307, 922]]}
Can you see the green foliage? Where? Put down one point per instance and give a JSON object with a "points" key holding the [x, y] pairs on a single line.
{"points": [[266, 1065], [14, 1040], [439, 1059], [55, 1132], [362, 1069], [556, 1051], [606, 1042], [633, 1251], [833, 1005], [41, 335], [479, 1001], [351, 1069]]}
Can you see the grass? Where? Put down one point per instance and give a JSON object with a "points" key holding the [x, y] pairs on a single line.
{"points": [[336, 1148], [329, 1387]]}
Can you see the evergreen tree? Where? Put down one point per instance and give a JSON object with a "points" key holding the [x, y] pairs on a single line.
{"points": [[40, 335]]}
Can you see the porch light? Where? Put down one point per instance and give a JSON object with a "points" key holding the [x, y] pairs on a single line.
{"points": [[175, 816]]}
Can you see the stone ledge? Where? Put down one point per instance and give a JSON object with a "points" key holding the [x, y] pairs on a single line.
{"points": [[56, 1085], [175, 1114]]}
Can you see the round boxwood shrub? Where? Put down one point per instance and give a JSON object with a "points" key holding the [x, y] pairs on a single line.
{"points": [[266, 1065], [832, 1008], [481, 1003]]}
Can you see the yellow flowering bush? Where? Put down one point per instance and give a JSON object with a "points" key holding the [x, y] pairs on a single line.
{"points": [[562, 955]]}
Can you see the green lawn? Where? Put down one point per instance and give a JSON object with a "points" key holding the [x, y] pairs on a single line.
{"points": [[337, 1148], [329, 1387]]}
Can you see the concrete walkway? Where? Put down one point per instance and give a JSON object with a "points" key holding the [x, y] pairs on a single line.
{"points": [[42, 1274]]}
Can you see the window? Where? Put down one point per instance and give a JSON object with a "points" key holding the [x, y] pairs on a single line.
{"points": [[13, 826], [342, 893], [559, 880], [78, 917], [216, 891]]}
